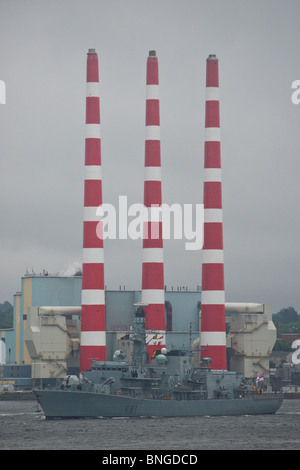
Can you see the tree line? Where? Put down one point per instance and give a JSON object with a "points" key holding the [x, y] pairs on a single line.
{"points": [[6, 315], [287, 321]]}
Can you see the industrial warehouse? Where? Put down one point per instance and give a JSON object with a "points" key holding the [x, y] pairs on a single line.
{"points": [[62, 324], [45, 341]]}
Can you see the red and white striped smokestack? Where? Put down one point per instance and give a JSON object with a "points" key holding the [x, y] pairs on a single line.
{"points": [[93, 336], [153, 265], [213, 335]]}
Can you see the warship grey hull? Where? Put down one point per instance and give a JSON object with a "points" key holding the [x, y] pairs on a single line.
{"points": [[73, 404]]}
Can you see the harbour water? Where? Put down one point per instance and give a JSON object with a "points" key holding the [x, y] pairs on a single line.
{"points": [[22, 427]]}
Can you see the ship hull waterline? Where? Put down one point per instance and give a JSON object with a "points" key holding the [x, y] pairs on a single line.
{"points": [[72, 404]]}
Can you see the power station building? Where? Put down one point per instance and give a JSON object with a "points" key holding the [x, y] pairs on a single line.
{"points": [[61, 324], [44, 343]]}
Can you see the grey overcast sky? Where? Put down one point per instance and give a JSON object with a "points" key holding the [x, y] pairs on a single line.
{"points": [[43, 47]]}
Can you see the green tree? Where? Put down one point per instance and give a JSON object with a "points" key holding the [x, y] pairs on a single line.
{"points": [[282, 345], [6, 315], [286, 315]]}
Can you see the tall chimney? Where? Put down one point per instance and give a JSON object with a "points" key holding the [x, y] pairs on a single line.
{"points": [[153, 266], [93, 336], [213, 333]]}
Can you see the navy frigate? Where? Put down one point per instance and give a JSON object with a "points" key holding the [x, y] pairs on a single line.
{"points": [[168, 386]]}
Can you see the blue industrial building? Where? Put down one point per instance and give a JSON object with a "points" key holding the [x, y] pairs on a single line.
{"points": [[181, 309]]}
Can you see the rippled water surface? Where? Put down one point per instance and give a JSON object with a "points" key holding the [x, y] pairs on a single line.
{"points": [[22, 427]]}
